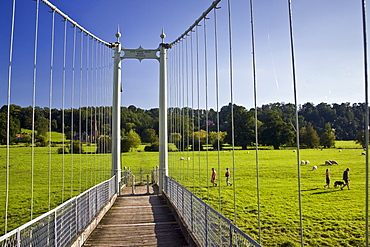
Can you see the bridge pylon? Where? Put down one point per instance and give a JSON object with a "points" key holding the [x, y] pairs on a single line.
{"points": [[140, 54]]}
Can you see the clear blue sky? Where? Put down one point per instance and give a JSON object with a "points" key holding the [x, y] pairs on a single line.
{"points": [[328, 47]]}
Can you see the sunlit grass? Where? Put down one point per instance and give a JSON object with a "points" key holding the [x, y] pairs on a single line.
{"points": [[331, 217]]}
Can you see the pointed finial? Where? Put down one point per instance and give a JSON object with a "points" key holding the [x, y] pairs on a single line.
{"points": [[118, 34], [162, 35]]}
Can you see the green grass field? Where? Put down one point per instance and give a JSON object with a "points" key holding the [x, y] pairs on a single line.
{"points": [[331, 217]]}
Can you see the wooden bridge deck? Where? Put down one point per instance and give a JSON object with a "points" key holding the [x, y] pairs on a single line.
{"points": [[138, 220]]}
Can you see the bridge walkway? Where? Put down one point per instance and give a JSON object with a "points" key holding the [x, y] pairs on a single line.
{"points": [[138, 220]]}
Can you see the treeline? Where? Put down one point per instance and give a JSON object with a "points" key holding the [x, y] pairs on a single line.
{"points": [[187, 127]]}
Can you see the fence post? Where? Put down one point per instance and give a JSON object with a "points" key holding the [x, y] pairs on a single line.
{"points": [[141, 175], [206, 222], [18, 238], [76, 216], [191, 212], [231, 235], [55, 229], [124, 175], [147, 184], [133, 184]]}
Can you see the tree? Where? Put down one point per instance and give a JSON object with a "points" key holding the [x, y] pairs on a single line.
{"points": [[14, 128], [328, 138], [244, 127], [149, 136], [215, 138], [104, 145], [42, 126], [309, 136], [360, 138], [176, 139], [274, 131], [131, 141]]}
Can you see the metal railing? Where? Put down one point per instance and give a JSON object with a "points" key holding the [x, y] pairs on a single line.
{"points": [[60, 226], [209, 227]]}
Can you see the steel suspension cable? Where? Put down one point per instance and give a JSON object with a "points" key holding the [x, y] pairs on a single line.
{"points": [[72, 151], [63, 105], [95, 83], [217, 106], [296, 119], [93, 112], [101, 111], [91, 109], [198, 101], [187, 106], [232, 103], [255, 119], [50, 103], [192, 103], [8, 118], [86, 112], [34, 105], [183, 101], [364, 34], [207, 114], [80, 113]]}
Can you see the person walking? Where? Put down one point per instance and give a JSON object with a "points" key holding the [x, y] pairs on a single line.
{"points": [[346, 179], [227, 175], [327, 175], [214, 177]]}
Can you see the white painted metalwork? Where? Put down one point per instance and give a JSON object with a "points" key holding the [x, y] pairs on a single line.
{"points": [[209, 227], [163, 140], [116, 115], [60, 226]]}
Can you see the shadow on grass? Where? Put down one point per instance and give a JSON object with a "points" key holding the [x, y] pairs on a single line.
{"points": [[322, 191], [326, 191]]}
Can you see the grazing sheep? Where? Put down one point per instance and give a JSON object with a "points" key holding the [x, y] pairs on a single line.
{"points": [[293, 150], [182, 158], [333, 162], [314, 168], [303, 162], [328, 162], [188, 158], [340, 150], [363, 153], [307, 162]]}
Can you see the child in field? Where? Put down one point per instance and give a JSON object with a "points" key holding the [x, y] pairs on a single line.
{"points": [[227, 175], [327, 175], [214, 176]]}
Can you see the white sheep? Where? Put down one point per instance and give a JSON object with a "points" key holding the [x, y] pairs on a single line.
{"points": [[363, 153], [307, 162], [328, 162], [188, 158], [314, 168], [182, 158], [303, 162], [340, 150]]}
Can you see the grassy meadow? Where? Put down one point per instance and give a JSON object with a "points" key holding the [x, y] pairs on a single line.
{"points": [[331, 217], [69, 176]]}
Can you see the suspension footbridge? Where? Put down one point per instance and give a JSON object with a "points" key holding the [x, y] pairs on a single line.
{"points": [[62, 162]]}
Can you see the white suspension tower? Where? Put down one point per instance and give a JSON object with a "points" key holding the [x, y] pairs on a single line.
{"points": [[140, 54]]}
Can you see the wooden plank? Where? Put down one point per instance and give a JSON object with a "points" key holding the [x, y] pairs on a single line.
{"points": [[138, 220]]}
